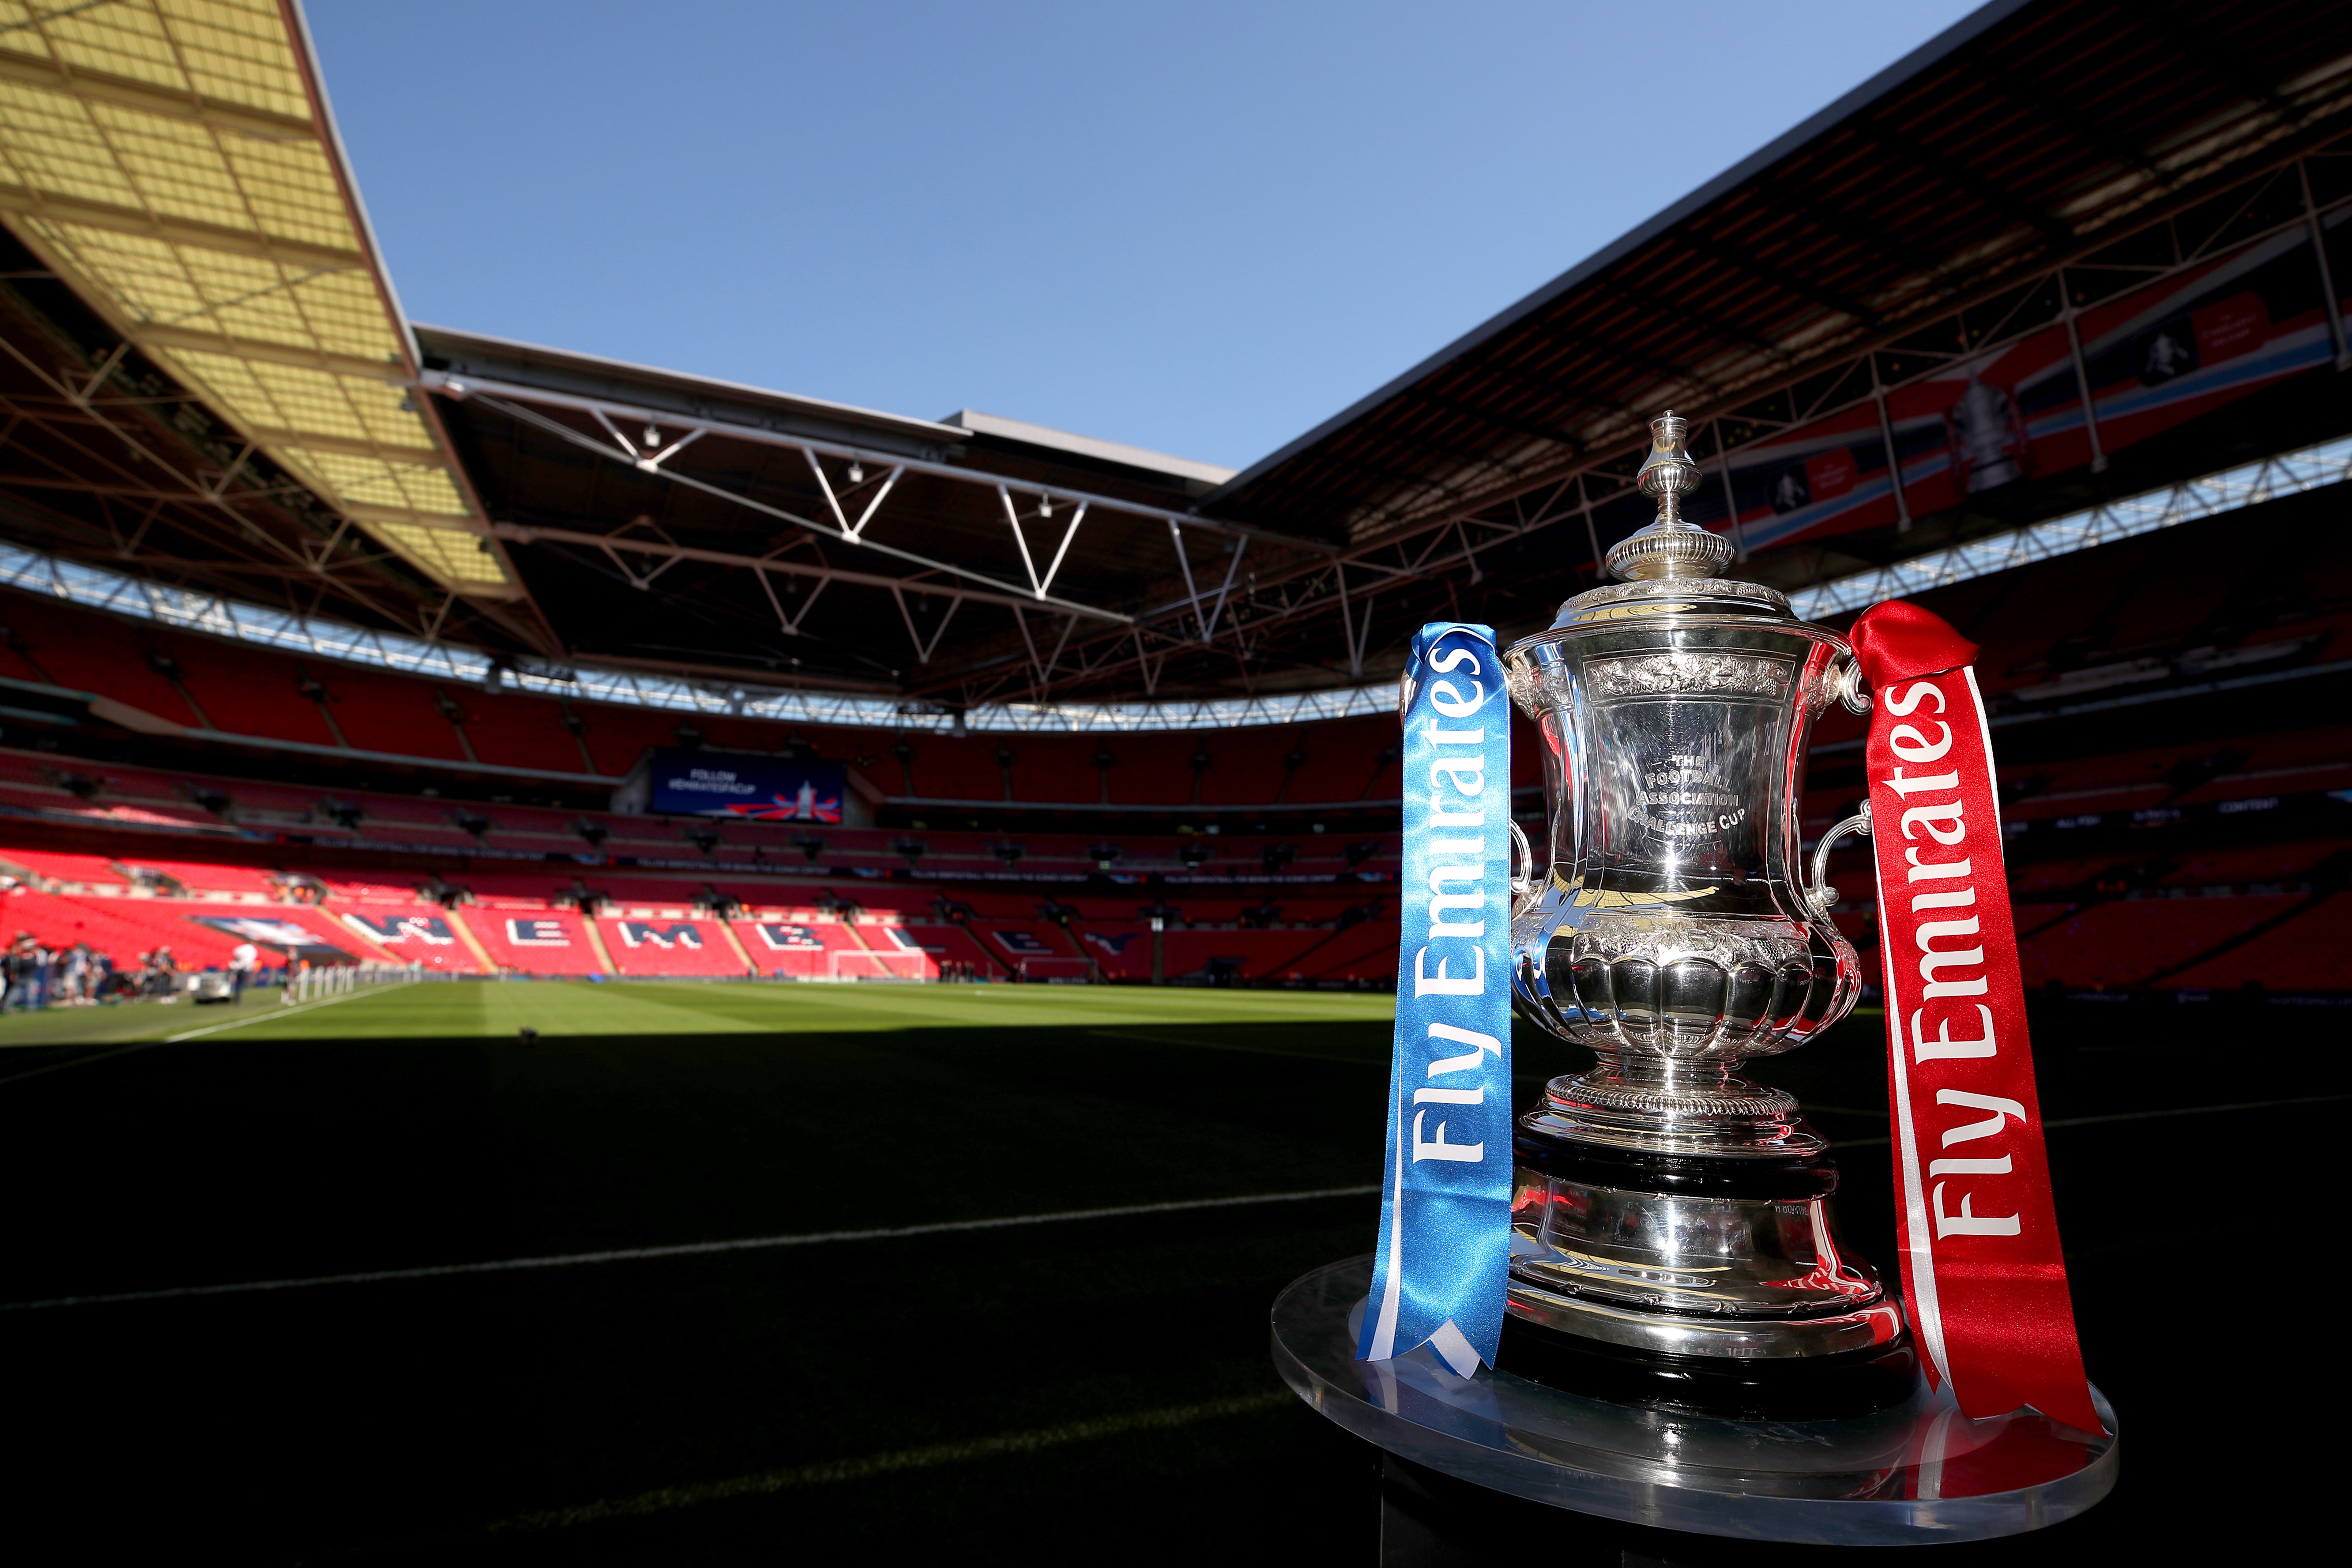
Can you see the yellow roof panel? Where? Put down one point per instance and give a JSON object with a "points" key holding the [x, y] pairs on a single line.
{"points": [[162, 156]]}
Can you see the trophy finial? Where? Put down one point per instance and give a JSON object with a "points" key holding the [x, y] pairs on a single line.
{"points": [[1669, 547]]}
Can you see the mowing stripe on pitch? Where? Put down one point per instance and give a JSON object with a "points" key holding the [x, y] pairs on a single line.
{"points": [[686, 1249], [283, 1012], [257, 1017], [762, 1243], [769, 1482]]}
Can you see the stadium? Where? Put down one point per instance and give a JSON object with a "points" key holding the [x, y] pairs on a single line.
{"points": [[637, 793]]}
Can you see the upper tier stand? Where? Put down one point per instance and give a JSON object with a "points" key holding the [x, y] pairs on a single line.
{"points": [[1920, 1472]]}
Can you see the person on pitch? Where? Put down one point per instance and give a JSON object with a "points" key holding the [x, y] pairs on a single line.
{"points": [[242, 962]]}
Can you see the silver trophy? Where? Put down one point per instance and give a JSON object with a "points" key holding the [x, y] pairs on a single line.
{"points": [[1672, 1237]]}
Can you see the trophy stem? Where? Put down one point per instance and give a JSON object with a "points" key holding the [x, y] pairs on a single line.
{"points": [[1674, 1106]]}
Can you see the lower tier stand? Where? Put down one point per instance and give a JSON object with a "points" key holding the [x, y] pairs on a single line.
{"points": [[1918, 1473]]}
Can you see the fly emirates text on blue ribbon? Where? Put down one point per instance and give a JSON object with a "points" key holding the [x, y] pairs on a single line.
{"points": [[1445, 1205]]}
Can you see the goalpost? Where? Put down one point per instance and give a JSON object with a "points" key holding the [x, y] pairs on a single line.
{"points": [[841, 964]]}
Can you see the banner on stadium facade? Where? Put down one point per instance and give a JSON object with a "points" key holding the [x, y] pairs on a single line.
{"points": [[398, 931], [726, 783], [291, 938], [2155, 358]]}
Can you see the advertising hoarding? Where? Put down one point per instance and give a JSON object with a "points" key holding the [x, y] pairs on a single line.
{"points": [[730, 784]]}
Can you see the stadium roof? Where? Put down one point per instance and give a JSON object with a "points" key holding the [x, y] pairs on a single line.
{"points": [[176, 166], [2028, 136], [1992, 195]]}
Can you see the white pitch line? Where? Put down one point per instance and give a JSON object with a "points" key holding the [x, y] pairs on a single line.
{"points": [[2137, 1116], [771, 1481], [257, 1017], [283, 1012], [761, 1243], [686, 1249]]}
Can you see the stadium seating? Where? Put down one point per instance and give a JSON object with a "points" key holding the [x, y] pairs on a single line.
{"points": [[469, 885], [2304, 952], [124, 930], [411, 932], [511, 731], [536, 942], [86, 650], [657, 942], [2113, 946], [246, 691], [98, 869]]}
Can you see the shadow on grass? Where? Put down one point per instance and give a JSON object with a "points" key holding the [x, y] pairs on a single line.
{"points": [[389, 1421]]}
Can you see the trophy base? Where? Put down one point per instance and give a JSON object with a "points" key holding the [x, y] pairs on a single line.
{"points": [[1915, 1474], [1810, 1388], [1708, 1281]]}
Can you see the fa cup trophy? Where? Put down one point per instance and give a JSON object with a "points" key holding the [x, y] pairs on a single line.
{"points": [[1671, 1236]]}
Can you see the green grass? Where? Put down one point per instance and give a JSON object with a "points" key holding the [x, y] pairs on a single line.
{"points": [[977, 1397], [440, 1010], [414, 1127]]}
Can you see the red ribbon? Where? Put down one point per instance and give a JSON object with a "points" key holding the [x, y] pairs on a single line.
{"points": [[1982, 1271]]}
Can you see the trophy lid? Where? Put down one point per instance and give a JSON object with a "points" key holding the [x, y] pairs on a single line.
{"points": [[1669, 547], [1673, 564]]}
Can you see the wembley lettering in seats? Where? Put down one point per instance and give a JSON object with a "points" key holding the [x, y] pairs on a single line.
{"points": [[294, 940], [783, 938], [537, 933], [395, 931], [667, 935]]}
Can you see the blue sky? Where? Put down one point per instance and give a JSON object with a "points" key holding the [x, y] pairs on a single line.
{"points": [[1201, 228]]}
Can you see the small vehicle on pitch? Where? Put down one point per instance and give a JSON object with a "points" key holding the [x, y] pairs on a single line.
{"points": [[211, 986]]}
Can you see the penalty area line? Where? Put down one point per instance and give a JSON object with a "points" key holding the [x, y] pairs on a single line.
{"points": [[683, 1249]]}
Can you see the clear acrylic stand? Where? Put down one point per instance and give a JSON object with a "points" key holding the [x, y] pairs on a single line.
{"points": [[1918, 1473]]}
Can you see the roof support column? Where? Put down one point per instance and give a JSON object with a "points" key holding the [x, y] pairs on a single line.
{"points": [[1191, 591], [2082, 376], [2326, 273], [1730, 500], [1591, 534], [1893, 458]]}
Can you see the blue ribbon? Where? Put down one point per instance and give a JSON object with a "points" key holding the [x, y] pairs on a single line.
{"points": [[1446, 1201]]}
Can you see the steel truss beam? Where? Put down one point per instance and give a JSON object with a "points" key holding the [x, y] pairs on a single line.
{"points": [[73, 406], [504, 395], [627, 453], [932, 577], [1417, 550]]}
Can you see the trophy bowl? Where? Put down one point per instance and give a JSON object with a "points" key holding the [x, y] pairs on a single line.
{"points": [[1672, 1239]]}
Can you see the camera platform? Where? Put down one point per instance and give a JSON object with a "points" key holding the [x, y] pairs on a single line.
{"points": [[1916, 1473]]}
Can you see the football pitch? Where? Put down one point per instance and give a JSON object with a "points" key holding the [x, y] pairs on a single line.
{"points": [[717, 1272]]}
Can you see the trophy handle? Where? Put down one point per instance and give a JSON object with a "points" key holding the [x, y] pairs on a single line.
{"points": [[1845, 685], [1525, 887], [1820, 894]]}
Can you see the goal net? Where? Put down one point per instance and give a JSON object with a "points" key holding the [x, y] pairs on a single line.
{"points": [[840, 965]]}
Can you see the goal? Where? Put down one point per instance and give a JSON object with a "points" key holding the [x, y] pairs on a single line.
{"points": [[845, 965]]}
